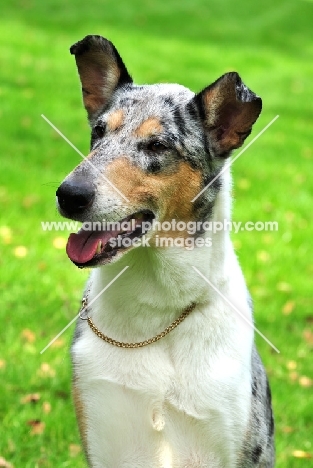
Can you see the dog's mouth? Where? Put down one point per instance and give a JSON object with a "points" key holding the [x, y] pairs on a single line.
{"points": [[90, 248]]}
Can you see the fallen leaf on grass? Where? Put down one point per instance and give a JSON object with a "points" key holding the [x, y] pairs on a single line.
{"points": [[305, 381], [20, 251], [4, 463], [6, 235], [37, 426], [74, 450], [308, 336], [28, 335], [46, 407], [58, 343], [31, 398], [59, 243], [293, 376], [301, 454], [288, 307], [46, 370], [288, 429], [291, 365], [2, 363]]}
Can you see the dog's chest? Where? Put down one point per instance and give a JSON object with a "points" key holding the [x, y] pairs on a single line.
{"points": [[158, 406]]}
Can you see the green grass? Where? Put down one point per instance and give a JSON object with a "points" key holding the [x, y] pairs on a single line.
{"points": [[269, 44]]}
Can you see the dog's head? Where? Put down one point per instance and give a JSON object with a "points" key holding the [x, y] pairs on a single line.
{"points": [[153, 149]]}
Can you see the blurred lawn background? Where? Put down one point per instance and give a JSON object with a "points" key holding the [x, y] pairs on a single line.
{"points": [[193, 43]]}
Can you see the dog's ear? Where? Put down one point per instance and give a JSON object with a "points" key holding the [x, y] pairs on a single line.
{"points": [[101, 71], [228, 110]]}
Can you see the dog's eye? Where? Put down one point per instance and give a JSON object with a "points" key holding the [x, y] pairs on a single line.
{"points": [[156, 146], [99, 130]]}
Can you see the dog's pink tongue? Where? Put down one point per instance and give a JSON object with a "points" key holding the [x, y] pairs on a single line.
{"points": [[81, 247]]}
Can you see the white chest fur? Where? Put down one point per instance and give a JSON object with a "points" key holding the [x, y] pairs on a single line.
{"points": [[182, 402]]}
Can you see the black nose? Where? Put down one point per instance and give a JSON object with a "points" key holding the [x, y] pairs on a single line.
{"points": [[75, 196]]}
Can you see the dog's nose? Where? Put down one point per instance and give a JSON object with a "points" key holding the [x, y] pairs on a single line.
{"points": [[75, 196]]}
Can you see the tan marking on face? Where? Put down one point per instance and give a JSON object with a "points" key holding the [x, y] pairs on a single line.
{"points": [[168, 194], [151, 126], [115, 120], [80, 414]]}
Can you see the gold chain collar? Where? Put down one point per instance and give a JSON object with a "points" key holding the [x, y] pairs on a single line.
{"points": [[140, 344]]}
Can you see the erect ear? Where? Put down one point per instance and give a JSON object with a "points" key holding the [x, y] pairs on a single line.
{"points": [[228, 109], [101, 71]]}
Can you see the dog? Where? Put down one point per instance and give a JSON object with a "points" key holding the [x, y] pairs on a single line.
{"points": [[165, 371]]}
